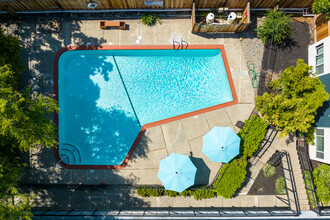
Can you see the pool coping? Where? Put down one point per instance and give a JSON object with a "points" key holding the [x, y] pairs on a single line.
{"points": [[152, 124]]}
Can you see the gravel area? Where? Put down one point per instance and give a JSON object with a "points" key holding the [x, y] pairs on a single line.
{"points": [[252, 46]]}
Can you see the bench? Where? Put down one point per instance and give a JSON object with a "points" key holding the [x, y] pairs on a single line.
{"points": [[110, 24]]}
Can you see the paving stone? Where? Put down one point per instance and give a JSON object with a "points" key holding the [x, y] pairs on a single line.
{"points": [[246, 90], [164, 201], [154, 139], [150, 161], [248, 184], [174, 134], [266, 201], [210, 168], [249, 201], [138, 177], [239, 112], [195, 126], [218, 117], [196, 38], [232, 202], [282, 201]]}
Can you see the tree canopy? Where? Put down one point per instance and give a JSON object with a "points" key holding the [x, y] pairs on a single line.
{"points": [[322, 6], [10, 49], [24, 123], [294, 107], [22, 115]]}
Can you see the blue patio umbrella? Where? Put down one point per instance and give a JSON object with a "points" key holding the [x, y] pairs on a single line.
{"points": [[177, 172], [221, 144]]}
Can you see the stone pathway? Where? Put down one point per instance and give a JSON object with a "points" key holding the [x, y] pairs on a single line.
{"points": [[257, 162], [127, 199]]}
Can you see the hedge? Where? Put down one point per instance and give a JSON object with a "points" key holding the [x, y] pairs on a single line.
{"points": [[150, 191], [231, 177], [252, 134], [157, 191], [321, 177]]}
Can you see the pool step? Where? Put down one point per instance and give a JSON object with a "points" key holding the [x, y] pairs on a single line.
{"points": [[69, 154]]}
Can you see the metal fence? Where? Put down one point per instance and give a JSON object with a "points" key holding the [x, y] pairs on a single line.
{"points": [[169, 212], [281, 157], [306, 168]]}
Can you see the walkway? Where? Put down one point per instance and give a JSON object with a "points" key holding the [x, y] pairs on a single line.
{"points": [[285, 144], [127, 199]]}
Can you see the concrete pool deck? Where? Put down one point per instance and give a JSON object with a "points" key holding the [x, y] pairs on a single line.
{"points": [[182, 136]]}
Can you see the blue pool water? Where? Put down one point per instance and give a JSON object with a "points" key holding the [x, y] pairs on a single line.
{"points": [[106, 96]]}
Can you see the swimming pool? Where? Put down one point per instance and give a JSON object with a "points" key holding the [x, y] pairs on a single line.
{"points": [[108, 97]]}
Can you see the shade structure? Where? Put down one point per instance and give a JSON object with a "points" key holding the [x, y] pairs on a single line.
{"points": [[177, 172], [221, 144]]}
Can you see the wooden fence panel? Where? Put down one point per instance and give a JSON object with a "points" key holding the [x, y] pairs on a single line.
{"points": [[40, 5], [296, 3], [220, 3], [263, 3], [217, 28], [16, 6], [178, 3], [322, 27], [44, 5], [282, 4]]}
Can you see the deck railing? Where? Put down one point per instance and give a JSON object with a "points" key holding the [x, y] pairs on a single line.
{"points": [[306, 168], [276, 159], [169, 212]]}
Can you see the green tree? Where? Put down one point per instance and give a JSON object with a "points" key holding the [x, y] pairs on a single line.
{"points": [[24, 123], [13, 204], [276, 26], [23, 115], [322, 6], [299, 95], [10, 54]]}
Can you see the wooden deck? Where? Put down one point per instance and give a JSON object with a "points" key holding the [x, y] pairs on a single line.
{"points": [[322, 27]]}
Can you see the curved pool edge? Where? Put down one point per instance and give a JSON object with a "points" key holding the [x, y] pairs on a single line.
{"points": [[144, 127]]}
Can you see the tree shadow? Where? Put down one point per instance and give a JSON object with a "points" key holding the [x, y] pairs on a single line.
{"points": [[53, 185], [322, 111]]}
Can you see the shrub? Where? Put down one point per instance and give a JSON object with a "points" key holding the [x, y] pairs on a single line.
{"points": [[252, 134], [276, 26], [203, 194], [171, 193], [309, 185], [150, 191], [158, 20], [231, 177], [280, 186], [186, 193], [147, 19], [322, 6], [268, 170], [321, 177]]}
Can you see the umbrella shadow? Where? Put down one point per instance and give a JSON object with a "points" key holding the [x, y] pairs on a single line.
{"points": [[203, 171]]}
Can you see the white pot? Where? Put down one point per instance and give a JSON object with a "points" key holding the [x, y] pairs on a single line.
{"points": [[231, 17], [210, 18]]}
